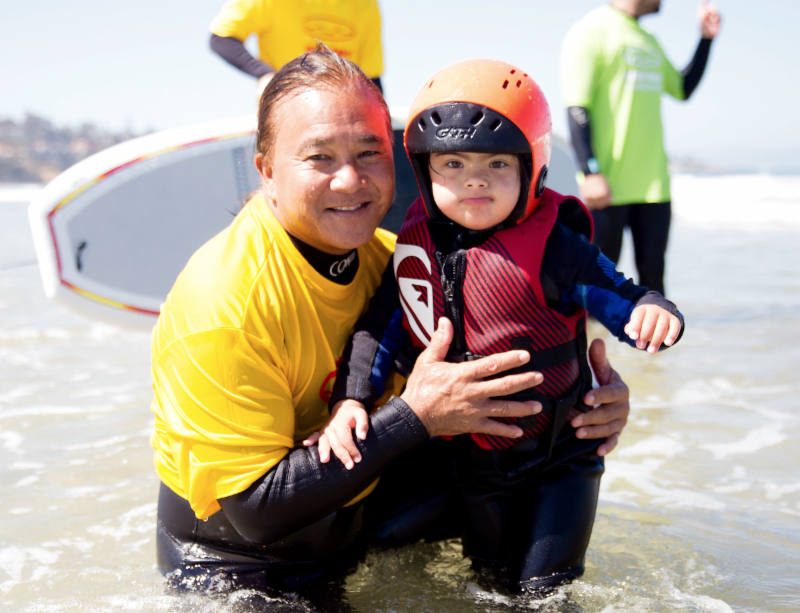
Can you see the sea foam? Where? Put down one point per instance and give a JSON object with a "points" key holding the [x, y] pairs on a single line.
{"points": [[745, 201]]}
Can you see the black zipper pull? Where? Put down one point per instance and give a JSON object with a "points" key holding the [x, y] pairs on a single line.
{"points": [[447, 287]]}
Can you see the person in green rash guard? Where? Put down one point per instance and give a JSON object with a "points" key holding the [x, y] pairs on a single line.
{"points": [[613, 75]]}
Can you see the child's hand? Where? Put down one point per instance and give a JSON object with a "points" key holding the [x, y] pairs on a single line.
{"points": [[347, 415], [652, 324]]}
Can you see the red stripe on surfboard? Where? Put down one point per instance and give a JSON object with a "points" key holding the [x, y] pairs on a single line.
{"points": [[55, 244], [125, 307]]}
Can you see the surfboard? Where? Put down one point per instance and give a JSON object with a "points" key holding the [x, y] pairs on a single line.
{"points": [[113, 232]]}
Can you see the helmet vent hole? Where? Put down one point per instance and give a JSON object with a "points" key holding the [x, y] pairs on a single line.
{"points": [[476, 118], [519, 83], [496, 123], [525, 75], [505, 85], [431, 84], [422, 124], [435, 118], [513, 71]]}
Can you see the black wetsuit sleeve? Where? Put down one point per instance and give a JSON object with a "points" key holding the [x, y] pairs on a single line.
{"points": [[576, 273], [232, 51], [695, 69], [300, 490], [581, 133], [371, 352]]}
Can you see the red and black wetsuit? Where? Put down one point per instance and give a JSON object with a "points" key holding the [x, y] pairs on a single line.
{"points": [[528, 286]]}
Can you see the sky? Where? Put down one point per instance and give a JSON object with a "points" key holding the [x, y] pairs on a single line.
{"points": [[146, 65]]}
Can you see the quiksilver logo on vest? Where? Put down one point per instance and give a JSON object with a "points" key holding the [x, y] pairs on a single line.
{"points": [[339, 266], [454, 132], [416, 295]]}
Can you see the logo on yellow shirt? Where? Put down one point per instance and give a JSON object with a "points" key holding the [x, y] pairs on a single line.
{"points": [[329, 29], [325, 390]]}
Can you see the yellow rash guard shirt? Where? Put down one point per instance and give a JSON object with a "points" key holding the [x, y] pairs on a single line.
{"points": [[286, 29], [244, 355]]}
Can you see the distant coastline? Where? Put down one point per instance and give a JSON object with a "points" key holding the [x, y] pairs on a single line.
{"points": [[34, 150], [688, 166]]}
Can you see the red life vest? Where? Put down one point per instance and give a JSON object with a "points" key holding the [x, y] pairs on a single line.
{"points": [[502, 307]]}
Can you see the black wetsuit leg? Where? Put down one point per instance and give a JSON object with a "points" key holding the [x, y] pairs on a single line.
{"points": [[485, 495], [413, 500], [537, 522], [609, 224], [200, 554], [416, 497], [554, 520], [649, 225]]}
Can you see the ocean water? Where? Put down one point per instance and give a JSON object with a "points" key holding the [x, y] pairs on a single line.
{"points": [[700, 505]]}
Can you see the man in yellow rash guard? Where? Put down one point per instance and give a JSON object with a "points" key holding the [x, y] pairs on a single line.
{"points": [[268, 303], [245, 352], [289, 28]]}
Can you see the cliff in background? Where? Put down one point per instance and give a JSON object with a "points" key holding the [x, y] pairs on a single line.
{"points": [[35, 151]]}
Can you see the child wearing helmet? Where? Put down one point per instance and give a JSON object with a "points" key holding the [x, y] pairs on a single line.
{"points": [[510, 263]]}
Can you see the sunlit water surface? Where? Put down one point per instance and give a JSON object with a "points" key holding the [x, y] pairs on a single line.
{"points": [[700, 507]]}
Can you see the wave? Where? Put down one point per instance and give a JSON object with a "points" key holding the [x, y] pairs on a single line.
{"points": [[749, 201]]}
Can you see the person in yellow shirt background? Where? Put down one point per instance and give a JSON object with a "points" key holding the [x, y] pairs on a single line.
{"points": [[288, 28]]}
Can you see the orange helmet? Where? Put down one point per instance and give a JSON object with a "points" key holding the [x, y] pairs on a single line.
{"points": [[484, 106]]}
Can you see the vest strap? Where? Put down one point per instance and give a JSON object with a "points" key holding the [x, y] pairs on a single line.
{"points": [[522, 456], [540, 359], [559, 409], [545, 358]]}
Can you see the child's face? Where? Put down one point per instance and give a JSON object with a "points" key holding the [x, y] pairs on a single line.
{"points": [[476, 190]]}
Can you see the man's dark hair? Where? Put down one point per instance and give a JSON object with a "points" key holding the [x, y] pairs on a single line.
{"points": [[318, 69]]}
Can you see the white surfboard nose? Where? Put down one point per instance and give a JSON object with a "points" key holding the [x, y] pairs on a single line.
{"points": [[113, 232]]}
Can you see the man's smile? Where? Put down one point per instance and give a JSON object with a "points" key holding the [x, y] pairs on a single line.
{"points": [[354, 207]]}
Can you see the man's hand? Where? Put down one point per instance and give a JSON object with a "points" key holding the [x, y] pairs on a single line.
{"points": [[454, 399], [337, 435], [654, 325], [595, 192], [709, 20], [607, 420]]}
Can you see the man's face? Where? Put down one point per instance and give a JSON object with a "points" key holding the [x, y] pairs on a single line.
{"points": [[330, 176]]}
